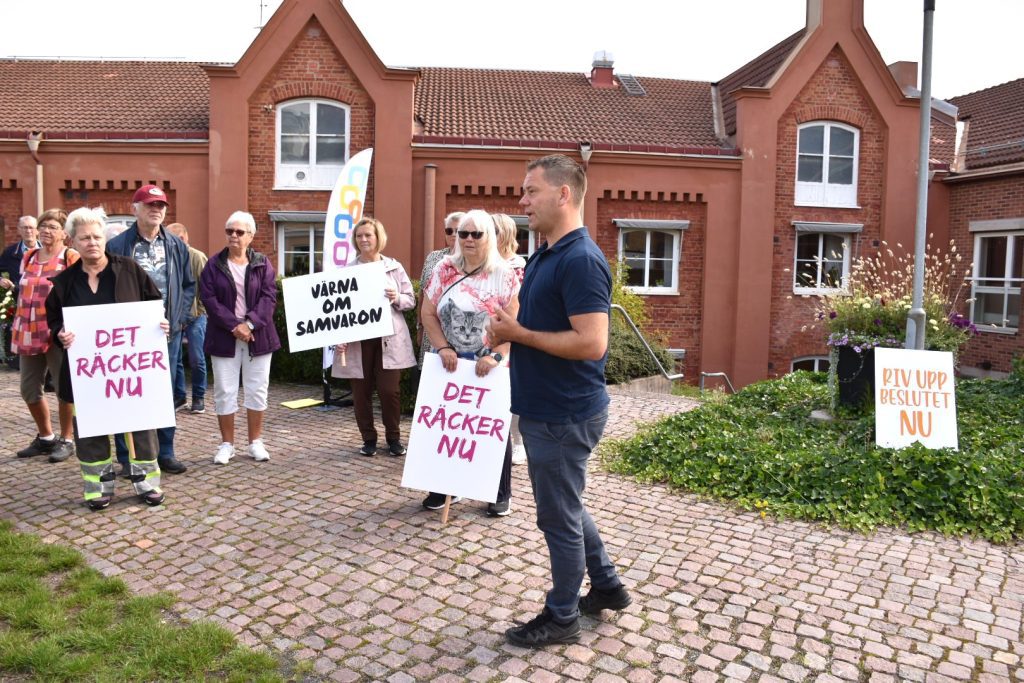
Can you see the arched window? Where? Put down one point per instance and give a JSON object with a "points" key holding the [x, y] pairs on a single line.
{"points": [[826, 164], [312, 144]]}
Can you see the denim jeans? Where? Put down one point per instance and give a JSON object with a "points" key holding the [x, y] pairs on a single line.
{"points": [[165, 435], [557, 456], [195, 333]]}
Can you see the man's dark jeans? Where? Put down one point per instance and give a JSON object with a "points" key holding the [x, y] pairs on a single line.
{"points": [[557, 456]]}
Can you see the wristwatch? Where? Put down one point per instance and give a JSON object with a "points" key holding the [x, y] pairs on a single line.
{"points": [[496, 356], [250, 325]]}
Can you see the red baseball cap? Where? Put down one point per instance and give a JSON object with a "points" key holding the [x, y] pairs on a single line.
{"points": [[148, 194]]}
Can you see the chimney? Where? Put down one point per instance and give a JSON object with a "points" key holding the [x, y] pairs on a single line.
{"points": [[905, 74], [601, 72]]}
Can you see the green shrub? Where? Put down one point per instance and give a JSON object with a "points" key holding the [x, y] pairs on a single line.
{"points": [[761, 450], [627, 357]]}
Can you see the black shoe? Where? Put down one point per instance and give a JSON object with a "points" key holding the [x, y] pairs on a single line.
{"points": [[152, 498], [39, 446], [179, 403], [99, 503], [396, 448], [62, 451], [435, 501], [368, 448], [198, 407], [500, 509], [544, 630], [172, 466], [596, 600]]}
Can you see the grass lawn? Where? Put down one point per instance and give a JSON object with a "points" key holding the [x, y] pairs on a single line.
{"points": [[63, 621], [761, 450]]}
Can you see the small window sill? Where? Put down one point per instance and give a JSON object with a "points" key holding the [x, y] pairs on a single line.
{"points": [[654, 291], [819, 291], [996, 330], [826, 206], [306, 188]]}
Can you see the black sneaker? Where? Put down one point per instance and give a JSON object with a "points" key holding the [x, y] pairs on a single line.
{"points": [[62, 451], [544, 630], [596, 600], [179, 403], [396, 448], [500, 509], [368, 448], [198, 407], [39, 446], [435, 501], [172, 466]]}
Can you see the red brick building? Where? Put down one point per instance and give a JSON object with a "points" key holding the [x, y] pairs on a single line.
{"points": [[721, 197]]}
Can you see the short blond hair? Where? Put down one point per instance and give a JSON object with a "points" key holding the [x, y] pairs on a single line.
{"points": [[378, 230]]}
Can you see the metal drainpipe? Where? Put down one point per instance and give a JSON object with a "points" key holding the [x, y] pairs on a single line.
{"points": [[33, 140], [429, 189]]}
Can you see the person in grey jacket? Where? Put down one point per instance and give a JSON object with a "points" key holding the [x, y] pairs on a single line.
{"points": [[165, 258]]}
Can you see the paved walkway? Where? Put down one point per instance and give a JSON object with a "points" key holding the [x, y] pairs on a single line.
{"points": [[319, 555]]}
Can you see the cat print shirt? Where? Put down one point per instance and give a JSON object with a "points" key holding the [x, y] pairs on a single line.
{"points": [[463, 309]]}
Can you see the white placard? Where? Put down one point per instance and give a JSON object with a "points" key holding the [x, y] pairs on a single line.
{"points": [[337, 306], [119, 368], [459, 429], [914, 398]]}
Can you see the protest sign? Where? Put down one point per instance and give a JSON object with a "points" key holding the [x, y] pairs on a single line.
{"points": [[459, 429], [337, 306], [119, 371], [914, 398]]}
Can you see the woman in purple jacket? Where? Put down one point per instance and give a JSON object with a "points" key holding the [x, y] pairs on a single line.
{"points": [[237, 287]]}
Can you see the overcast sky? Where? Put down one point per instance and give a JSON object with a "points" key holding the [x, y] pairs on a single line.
{"points": [[977, 42]]}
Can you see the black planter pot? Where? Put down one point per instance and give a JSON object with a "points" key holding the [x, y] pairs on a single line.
{"points": [[855, 374]]}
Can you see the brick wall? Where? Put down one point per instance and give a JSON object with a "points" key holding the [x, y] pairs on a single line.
{"points": [[986, 199], [310, 68], [10, 211], [114, 196], [678, 318], [832, 94]]}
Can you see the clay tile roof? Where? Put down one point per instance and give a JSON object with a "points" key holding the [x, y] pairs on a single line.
{"points": [[551, 106], [754, 73], [117, 97], [996, 132], [942, 146]]}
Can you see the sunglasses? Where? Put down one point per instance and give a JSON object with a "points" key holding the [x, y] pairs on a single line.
{"points": [[476, 234], [236, 232]]}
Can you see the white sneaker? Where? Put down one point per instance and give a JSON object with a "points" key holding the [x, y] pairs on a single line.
{"points": [[518, 455], [224, 453], [257, 451]]}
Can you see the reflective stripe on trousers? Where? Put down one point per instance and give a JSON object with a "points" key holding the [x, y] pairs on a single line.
{"points": [[99, 478]]}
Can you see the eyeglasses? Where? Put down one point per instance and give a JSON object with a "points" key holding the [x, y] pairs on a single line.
{"points": [[235, 232], [449, 231], [476, 234]]}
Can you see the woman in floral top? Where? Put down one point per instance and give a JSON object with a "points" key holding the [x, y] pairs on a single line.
{"points": [[465, 288], [30, 337]]}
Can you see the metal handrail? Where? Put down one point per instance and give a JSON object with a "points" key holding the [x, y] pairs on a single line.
{"points": [[715, 374], [640, 336]]}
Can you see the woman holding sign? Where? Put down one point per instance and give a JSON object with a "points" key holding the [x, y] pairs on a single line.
{"points": [[379, 362], [102, 278], [238, 290], [464, 290]]}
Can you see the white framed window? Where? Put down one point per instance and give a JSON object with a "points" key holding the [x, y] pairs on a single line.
{"points": [[300, 248], [821, 260], [526, 239], [811, 363], [312, 144], [827, 164], [650, 249], [996, 285]]}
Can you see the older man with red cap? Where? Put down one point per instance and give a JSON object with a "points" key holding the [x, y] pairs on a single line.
{"points": [[165, 258]]}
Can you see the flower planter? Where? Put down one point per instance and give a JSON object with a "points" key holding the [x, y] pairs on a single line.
{"points": [[855, 375]]}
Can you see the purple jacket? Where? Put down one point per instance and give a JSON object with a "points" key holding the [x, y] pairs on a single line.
{"points": [[217, 292]]}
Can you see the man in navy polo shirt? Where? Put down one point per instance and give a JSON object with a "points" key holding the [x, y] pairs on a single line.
{"points": [[559, 348]]}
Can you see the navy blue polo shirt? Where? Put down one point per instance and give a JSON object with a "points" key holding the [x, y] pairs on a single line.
{"points": [[568, 278]]}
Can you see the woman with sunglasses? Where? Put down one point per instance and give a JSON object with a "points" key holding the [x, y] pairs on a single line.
{"points": [[463, 291], [238, 290], [451, 224], [30, 337], [378, 362]]}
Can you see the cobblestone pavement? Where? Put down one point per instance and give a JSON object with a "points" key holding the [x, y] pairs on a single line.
{"points": [[319, 555]]}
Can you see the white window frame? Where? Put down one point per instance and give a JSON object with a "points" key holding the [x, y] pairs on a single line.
{"points": [[818, 360], [1011, 285], [674, 229], [290, 222], [315, 176], [523, 223], [820, 230], [824, 193]]}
